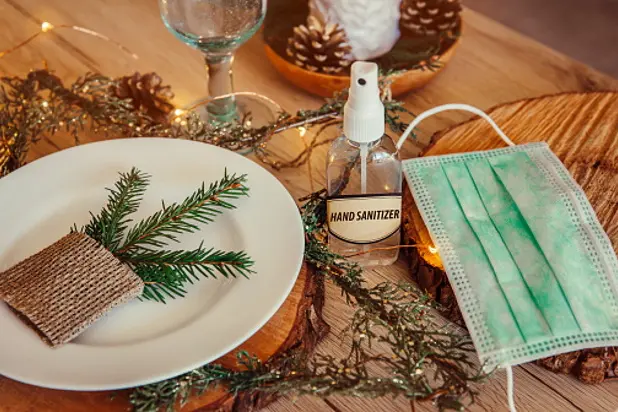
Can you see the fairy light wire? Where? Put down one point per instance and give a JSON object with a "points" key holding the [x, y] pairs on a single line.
{"points": [[47, 27]]}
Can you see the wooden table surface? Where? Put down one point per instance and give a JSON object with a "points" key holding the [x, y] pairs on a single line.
{"points": [[493, 65]]}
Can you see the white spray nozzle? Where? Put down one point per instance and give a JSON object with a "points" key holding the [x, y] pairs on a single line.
{"points": [[363, 114]]}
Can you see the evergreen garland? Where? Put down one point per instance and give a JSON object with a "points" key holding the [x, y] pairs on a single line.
{"points": [[426, 363], [40, 104]]}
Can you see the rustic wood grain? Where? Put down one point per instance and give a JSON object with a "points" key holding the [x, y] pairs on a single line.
{"points": [[493, 65]]}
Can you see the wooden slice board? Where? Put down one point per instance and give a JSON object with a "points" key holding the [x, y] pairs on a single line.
{"points": [[582, 129], [326, 85], [297, 323]]}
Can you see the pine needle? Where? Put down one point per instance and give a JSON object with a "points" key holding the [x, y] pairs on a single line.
{"points": [[168, 271]]}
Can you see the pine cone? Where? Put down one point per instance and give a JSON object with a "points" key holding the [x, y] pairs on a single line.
{"points": [[564, 363], [430, 17], [592, 369], [146, 94], [589, 365], [597, 364], [319, 48]]}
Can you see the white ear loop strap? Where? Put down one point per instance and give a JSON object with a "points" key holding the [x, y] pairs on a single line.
{"points": [[510, 388], [443, 108]]}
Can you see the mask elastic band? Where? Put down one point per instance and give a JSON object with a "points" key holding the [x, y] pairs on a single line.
{"points": [[457, 106], [510, 388]]}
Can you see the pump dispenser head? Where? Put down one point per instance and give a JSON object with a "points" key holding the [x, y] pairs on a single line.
{"points": [[363, 114]]}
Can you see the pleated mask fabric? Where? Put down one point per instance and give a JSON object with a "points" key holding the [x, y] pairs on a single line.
{"points": [[533, 271]]}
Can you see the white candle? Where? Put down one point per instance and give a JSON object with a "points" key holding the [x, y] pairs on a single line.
{"points": [[372, 27]]}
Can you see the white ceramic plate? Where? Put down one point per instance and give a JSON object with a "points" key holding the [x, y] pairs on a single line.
{"points": [[143, 342]]}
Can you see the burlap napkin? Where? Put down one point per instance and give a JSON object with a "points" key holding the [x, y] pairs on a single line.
{"points": [[67, 286]]}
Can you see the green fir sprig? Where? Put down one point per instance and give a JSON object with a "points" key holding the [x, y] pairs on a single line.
{"points": [[200, 207], [124, 199], [166, 272]]}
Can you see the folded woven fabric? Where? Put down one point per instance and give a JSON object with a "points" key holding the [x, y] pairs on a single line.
{"points": [[67, 286]]}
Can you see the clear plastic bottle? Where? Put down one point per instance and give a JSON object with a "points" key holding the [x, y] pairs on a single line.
{"points": [[363, 174]]}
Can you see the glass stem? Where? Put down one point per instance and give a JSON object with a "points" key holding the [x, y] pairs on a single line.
{"points": [[219, 69]]}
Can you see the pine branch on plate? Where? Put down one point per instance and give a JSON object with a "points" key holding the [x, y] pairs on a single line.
{"points": [[124, 199], [166, 272], [201, 207]]}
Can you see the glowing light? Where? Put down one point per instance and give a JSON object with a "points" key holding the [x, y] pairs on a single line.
{"points": [[432, 249], [45, 27], [178, 112], [302, 131], [45, 103]]}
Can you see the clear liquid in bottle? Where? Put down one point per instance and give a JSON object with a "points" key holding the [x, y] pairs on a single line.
{"points": [[373, 196]]}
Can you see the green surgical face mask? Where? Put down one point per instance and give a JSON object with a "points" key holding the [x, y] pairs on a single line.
{"points": [[533, 271]]}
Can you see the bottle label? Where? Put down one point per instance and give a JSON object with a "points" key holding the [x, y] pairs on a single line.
{"points": [[364, 219]]}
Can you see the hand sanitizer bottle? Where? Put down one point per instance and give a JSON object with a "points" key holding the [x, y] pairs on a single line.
{"points": [[363, 175]]}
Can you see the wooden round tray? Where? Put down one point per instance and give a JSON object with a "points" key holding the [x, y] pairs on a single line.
{"points": [[297, 324], [284, 15], [327, 85], [582, 130]]}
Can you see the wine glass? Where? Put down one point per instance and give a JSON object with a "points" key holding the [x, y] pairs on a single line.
{"points": [[217, 28]]}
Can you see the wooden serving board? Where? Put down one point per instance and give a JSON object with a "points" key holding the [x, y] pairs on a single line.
{"points": [[582, 130], [298, 323]]}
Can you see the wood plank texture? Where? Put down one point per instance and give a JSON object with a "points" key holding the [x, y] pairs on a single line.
{"points": [[493, 65]]}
